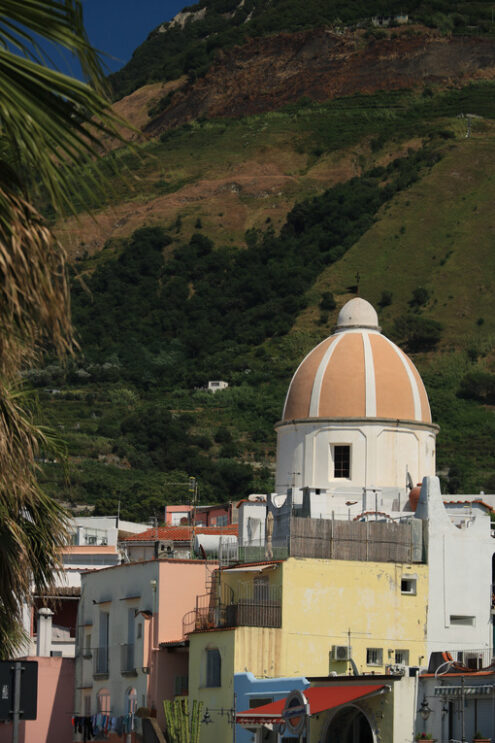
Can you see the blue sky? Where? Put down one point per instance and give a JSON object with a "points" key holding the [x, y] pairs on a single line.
{"points": [[117, 27]]}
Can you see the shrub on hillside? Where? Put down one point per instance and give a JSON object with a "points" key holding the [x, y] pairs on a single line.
{"points": [[420, 297], [478, 385], [417, 333], [327, 301], [386, 299]]}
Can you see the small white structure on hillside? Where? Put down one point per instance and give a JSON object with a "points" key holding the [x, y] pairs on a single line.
{"points": [[216, 385]]}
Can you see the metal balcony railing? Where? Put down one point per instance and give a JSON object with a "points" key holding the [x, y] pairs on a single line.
{"points": [[248, 606], [474, 660], [127, 659], [100, 660]]}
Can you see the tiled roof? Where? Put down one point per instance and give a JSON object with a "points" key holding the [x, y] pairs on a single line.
{"points": [[478, 502], [179, 533]]}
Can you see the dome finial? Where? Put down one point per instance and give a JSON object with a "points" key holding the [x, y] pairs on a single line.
{"points": [[357, 313]]}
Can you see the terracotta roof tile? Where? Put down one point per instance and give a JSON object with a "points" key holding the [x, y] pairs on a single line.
{"points": [[478, 502], [179, 533]]}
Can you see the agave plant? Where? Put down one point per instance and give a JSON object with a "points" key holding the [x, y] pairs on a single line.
{"points": [[49, 123]]}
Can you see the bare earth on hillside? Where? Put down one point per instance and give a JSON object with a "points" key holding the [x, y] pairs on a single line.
{"points": [[324, 65], [236, 201]]}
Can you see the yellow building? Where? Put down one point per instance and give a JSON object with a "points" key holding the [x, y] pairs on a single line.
{"points": [[305, 616]]}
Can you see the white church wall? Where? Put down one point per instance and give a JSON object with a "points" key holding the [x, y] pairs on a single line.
{"points": [[381, 453], [460, 561]]}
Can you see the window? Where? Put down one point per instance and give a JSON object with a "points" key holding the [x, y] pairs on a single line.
{"points": [[101, 660], [259, 702], [408, 586], [462, 619], [342, 461], [402, 657], [213, 668], [87, 646], [221, 520], [374, 657], [130, 702], [103, 701], [181, 685]]}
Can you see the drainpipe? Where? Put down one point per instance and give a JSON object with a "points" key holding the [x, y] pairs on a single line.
{"points": [[354, 667]]}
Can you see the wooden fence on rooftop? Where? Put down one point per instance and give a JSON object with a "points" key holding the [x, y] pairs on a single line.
{"points": [[374, 541]]}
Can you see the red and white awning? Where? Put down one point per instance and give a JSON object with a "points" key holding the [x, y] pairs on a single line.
{"points": [[319, 698]]}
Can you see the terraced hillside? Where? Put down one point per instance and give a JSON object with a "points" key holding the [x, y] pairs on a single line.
{"points": [[226, 253]]}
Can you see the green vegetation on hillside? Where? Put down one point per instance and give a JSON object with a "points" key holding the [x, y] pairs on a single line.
{"points": [[203, 148], [173, 50], [152, 326], [168, 309]]}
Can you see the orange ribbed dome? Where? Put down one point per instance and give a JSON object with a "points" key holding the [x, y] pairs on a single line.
{"points": [[357, 373]]}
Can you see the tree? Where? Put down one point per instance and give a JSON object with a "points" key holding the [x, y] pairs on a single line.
{"points": [[49, 123]]}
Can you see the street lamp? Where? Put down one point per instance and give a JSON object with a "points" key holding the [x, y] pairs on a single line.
{"points": [[425, 709], [230, 714]]}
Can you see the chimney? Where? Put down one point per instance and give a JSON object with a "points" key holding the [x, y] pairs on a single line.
{"points": [[80, 539], [44, 641]]}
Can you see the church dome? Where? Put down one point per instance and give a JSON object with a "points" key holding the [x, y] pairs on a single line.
{"points": [[357, 373]]}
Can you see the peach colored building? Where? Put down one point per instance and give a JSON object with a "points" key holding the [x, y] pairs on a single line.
{"points": [[211, 515], [53, 723], [131, 650]]}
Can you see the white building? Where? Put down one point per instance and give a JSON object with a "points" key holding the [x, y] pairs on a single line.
{"points": [[132, 652], [93, 545]]}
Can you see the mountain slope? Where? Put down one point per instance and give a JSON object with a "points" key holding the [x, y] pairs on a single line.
{"points": [[231, 244], [190, 43], [321, 65]]}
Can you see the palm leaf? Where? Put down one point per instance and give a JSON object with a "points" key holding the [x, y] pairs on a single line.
{"points": [[50, 124]]}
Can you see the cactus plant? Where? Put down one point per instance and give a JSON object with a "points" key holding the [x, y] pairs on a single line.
{"points": [[183, 725]]}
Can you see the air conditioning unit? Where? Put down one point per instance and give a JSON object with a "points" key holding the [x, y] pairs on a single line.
{"points": [[164, 548], [341, 652]]}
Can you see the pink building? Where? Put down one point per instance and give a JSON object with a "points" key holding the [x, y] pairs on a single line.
{"points": [[131, 649], [177, 541], [53, 723], [214, 515]]}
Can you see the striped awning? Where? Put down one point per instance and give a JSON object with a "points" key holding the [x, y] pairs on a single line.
{"points": [[456, 691]]}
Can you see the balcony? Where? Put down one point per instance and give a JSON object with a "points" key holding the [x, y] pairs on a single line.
{"points": [[127, 660], [100, 662], [471, 660], [247, 606]]}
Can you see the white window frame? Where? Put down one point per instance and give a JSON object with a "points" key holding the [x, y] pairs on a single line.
{"points": [[413, 589], [333, 476]]}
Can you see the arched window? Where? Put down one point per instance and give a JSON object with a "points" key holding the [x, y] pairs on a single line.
{"points": [[131, 701], [213, 667], [103, 701]]}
